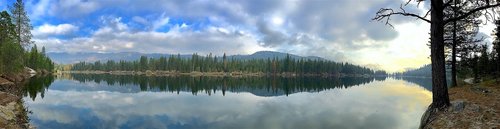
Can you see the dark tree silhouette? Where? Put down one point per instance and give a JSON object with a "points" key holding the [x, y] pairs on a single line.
{"points": [[440, 97], [460, 37], [197, 63], [496, 48]]}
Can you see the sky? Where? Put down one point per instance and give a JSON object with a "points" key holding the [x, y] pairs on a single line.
{"points": [[338, 30]]}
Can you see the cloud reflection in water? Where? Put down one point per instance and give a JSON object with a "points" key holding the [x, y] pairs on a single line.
{"points": [[380, 104]]}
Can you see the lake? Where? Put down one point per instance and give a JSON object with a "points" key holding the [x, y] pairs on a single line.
{"points": [[183, 102]]}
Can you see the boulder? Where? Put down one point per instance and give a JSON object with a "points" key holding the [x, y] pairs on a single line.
{"points": [[7, 98], [5, 82], [30, 71], [457, 105], [7, 112], [427, 117]]}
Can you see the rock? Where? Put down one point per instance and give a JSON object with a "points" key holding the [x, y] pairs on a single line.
{"points": [[7, 107], [7, 98], [457, 105], [13, 78], [30, 71], [427, 117], [5, 82], [469, 80], [7, 112]]}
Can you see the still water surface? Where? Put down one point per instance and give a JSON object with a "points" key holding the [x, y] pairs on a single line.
{"points": [[126, 101]]}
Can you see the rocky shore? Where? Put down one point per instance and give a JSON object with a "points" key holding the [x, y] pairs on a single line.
{"points": [[13, 115]]}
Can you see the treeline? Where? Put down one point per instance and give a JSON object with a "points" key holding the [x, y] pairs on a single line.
{"points": [[466, 54], [38, 61], [11, 52], [15, 33], [211, 63], [479, 59], [483, 64]]}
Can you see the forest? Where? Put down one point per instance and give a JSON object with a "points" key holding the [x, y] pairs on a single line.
{"points": [[474, 57], [209, 63], [15, 38]]}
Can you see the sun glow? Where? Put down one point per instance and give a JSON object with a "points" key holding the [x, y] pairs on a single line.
{"points": [[278, 21]]}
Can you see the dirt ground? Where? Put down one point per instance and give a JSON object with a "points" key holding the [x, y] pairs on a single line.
{"points": [[481, 110]]}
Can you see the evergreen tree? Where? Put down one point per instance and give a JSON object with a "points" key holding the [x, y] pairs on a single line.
{"points": [[484, 61], [460, 36], [21, 20], [496, 47], [144, 63], [276, 66], [10, 52]]}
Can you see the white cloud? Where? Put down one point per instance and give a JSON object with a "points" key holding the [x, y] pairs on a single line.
{"points": [[73, 8], [338, 30], [140, 20], [46, 30], [116, 36], [39, 9], [162, 21]]}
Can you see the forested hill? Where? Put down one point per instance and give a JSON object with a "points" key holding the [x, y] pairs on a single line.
{"points": [[261, 64], [70, 58], [424, 71]]}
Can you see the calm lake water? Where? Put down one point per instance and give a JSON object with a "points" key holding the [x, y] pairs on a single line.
{"points": [[113, 101]]}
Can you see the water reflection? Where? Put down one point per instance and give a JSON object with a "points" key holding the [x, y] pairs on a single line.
{"points": [[37, 85], [89, 103], [425, 82], [261, 86]]}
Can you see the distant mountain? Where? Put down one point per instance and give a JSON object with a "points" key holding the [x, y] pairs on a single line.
{"points": [[69, 58]]}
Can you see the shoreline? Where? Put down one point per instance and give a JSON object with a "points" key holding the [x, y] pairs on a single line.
{"points": [[216, 74], [13, 114]]}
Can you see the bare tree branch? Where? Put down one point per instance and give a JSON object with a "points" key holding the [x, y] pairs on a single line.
{"points": [[428, 12], [472, 12], [386, 13]]}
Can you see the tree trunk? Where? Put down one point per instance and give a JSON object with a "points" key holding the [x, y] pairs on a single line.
{"points": [[454, 54], [440, 98]]}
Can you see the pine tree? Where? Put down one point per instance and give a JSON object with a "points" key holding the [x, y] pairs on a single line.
{"points": [[10, 52], [21, 20], [224, 62], [144, 63], [496, 47]]}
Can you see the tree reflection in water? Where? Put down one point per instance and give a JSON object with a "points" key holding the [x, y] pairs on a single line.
{"points": [[261, 86]]}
